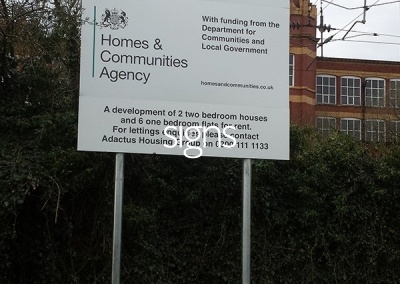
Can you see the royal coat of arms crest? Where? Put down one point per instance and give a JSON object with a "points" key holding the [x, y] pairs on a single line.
{"points": [[114, 19]]}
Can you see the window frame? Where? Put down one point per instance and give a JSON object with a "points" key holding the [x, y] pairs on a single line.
{"points": [[351, 131], [370, 90], [322, 86], [394, 131], [374, 133], [347, 90], [291, 69], [328, 121], [394, 101]]}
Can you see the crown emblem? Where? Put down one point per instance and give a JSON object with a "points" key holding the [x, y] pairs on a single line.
{"points": [[114, 19]]}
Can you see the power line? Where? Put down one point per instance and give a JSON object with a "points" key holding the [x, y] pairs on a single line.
{"points": [[386, 3], [353, 32], [324, 7], [363, 21], [298, 25], [350, 30], [375, 34], [360, 7], [366, 41], [347, 8]]}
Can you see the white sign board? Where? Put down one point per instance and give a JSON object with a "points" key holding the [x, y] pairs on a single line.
{"points": [[219, 67]]}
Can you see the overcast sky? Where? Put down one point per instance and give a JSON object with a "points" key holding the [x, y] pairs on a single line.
{"points": [[382, 19]]}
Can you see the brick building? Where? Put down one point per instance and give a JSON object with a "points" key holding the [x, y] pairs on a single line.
{"points": [[359, 97]]}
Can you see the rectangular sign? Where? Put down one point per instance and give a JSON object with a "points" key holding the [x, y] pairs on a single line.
{"points": [[185, 77]]}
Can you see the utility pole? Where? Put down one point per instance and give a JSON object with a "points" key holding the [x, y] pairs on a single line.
{"points": [[321, 29]]}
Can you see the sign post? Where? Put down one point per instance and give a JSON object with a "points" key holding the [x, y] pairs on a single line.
{"points": [[119, 188], [246, 223]]}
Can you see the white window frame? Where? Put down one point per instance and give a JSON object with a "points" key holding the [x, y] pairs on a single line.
{"points": [[395, 129], [325, 92], [375, 130], [375, 92], [354, 129], [325, 125], [353, 93], [394, 92], [291, 69]]}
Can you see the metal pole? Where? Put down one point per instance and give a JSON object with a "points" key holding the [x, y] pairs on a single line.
{"points": [[246, 221], [119, 188], [321, 29]]}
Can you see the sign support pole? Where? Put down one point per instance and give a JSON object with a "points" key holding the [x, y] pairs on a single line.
{"points": [[246, 221], [119, 187]]}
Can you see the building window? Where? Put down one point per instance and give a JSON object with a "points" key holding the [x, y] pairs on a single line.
{"points": [[374, 92], [375, 130], [350, 91], [291, 70], [351, 126], [325, 125], [394, 92], [326, 89], [395, 129]]}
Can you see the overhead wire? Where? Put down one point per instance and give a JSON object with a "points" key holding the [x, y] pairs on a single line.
{"points": [[367, 41], [340, 6], [373, 5], [375, 34], [386, 3], [360, 33], [324, 7], [360, 7], [352, 20]]}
